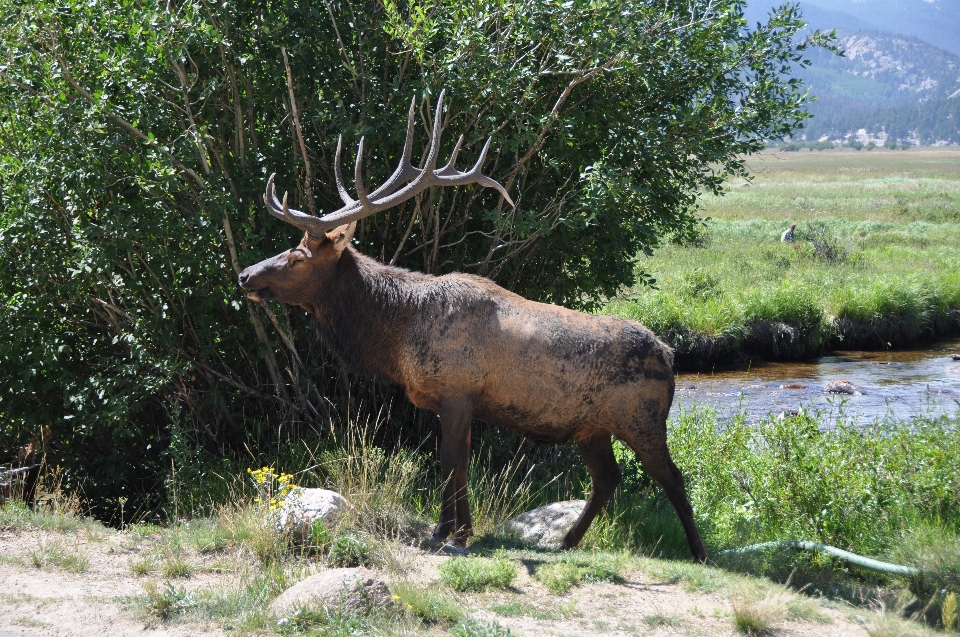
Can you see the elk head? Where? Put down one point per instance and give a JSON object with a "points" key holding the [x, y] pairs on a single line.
{"points": [[299, 274]]}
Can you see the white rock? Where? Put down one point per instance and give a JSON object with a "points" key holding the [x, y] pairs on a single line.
{"points": [[842, 387], [545, 526], [303, 507], [349, 589]]}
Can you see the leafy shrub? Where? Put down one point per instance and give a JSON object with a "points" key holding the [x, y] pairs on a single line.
{"points": [[349, 550], [477, 574], [124, 219], [827, 246], [166, 601]]}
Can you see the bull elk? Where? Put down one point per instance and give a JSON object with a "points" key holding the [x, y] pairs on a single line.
{"points": [[465, 348]]}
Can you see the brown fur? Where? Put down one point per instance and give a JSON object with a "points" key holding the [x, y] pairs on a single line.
{"points": [[465, 348]]}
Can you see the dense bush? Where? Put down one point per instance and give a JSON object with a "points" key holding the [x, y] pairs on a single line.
{"points": [[136, 138]]}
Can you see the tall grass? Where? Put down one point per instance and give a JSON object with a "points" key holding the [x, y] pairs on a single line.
{"points": [[745, 293], [857, 487], [875, 264]]}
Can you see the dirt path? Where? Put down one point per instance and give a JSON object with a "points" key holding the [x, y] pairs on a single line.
{"points": [[97, 593]]}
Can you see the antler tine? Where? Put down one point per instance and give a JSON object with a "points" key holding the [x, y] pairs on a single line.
{"points": [[405, 170], [431, 163], [365, 204], [449, 168], [308, 223], [448, 177], [387, 195], [338, 175]]}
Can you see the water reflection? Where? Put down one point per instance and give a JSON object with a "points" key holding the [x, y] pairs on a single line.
{"points": [[898, 384]]}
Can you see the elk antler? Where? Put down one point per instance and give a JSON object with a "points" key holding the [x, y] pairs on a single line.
{"points": [[386, 196]]}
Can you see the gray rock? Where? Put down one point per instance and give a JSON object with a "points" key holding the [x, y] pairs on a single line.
{"points": [[841, 387], [355, 590], [303, 507], [545, 526]]}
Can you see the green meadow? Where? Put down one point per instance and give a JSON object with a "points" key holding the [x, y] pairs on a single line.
{"points": [[875, 262]]}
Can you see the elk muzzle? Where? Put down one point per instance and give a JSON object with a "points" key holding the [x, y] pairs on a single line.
{"points": [[255, 279]]}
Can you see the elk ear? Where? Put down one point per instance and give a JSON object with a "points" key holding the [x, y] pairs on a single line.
{"points": [[341, 236]]}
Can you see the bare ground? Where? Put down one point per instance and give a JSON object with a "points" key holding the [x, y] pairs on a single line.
{"points": [[103, 596]]}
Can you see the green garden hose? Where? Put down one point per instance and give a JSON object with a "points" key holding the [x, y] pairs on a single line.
{"points": [[857, 560]]}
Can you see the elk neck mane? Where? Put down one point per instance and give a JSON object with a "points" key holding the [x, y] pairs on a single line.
{"points": [[364, 316]]}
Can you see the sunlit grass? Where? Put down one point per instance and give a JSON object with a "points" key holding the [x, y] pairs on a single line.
{"points": [[892, 277]]}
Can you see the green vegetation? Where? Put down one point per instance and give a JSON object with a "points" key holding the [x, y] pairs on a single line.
{"points": [[430, 606], [135, 139], [474, 573], [784, 478], [58, 555], [471, 628], [931, 121], [351, 550], [166, 601], [561, 575], [540, 610], [756, 616], [874, 264]]}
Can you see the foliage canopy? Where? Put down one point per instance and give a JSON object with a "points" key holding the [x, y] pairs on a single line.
{"points": [[136, 138]]}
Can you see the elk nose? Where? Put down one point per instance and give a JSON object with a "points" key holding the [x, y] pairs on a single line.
{"points": [[244, 277]]}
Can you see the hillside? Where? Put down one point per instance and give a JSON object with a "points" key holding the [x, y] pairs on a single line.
{"points": [[899, 85], [891, 79]]}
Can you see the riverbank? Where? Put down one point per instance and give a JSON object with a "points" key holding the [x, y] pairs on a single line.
{"points": [[875, 263]]}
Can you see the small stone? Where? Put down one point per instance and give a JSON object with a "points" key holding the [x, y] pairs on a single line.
{"points": [[302, 508], [545, 526], [841, 387], [356, 590]]}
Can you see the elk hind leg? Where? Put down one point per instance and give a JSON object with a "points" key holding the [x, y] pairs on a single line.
{"points": [[652, 451], [455, 416], [597, 453]]}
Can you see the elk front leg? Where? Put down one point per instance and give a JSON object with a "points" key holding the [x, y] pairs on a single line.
{"points": [[455, 416]]}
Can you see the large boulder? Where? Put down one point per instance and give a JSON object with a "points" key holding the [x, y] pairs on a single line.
{"points": [[352, 590], [545, 526], [303, 507]]}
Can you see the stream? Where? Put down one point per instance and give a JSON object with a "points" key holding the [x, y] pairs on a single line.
{"points": [[893, 384]]}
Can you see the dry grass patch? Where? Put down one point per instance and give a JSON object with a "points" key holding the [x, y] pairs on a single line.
{"points": [[889, 625], [143, 566], [58, 555], [758, 615], [539, 610], [659, 620]]}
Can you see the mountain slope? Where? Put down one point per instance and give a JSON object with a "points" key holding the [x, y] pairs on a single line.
{"points": [[884, 70], [934, 21]]}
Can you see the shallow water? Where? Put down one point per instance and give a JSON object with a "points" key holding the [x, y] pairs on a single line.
{"points": [[898, 384]]}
